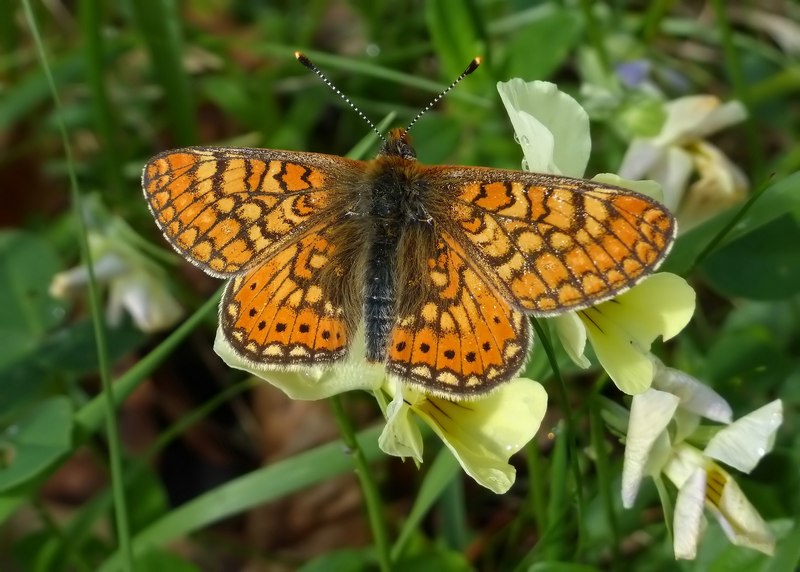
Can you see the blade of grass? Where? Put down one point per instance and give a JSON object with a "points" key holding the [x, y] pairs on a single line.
{"points": [[79, 528], [652, 19], [595, 32], [453, 512], [604, 480], [263, 485], [89, 417], [760, 208], [159, 23], [107, 125], [441, 472], [559, 483], [115, 456]]}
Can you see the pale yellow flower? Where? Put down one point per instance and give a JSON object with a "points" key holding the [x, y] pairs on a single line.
{"points": [[135, 283], [663, 425], [310, 383], [481, 433], [553, 130], [622, 329], [698, 180]]}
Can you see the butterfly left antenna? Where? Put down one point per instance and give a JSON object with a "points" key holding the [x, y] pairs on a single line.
{"points": [[303, 59]]}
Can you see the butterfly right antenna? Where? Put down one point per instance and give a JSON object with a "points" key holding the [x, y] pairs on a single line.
{"points": [[473, 65], [303, 59]]}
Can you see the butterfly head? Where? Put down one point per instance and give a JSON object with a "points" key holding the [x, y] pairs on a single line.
{"points": [[398, 144]]}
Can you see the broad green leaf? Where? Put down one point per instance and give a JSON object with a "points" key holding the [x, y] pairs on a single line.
{"points": [[538, 49], [347, 560], [163, 560], [30, 445], [746, 355], [778, 199], [27, 264], [63, 351], [762, 265]]}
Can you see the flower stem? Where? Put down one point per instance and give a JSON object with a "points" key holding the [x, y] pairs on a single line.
{"points": [[369, 488]]}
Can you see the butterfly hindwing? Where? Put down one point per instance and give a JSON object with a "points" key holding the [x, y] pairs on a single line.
{"points": [[292, 309], [226, 209], [553, 244], [461, 337]]}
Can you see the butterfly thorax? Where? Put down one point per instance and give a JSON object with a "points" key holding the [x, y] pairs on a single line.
{"points": [[398, 144]]}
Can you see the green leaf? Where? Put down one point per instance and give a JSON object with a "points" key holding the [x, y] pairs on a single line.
{"points": [[787, 553], [27, 318], [65, 351], [27, 265], [29, 446], [23, 97], [538, 49], [748, 355], [778, 199], [456, 32], [442, 471], [348, 560], [162, 560], [160, 26], [561, 567], [762, 265], [434, 560]]}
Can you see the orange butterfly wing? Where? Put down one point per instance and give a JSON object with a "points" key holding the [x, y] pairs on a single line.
{"points": [[462, 337], [553, 244], [266, 218], [291, 309], [225, 209]]}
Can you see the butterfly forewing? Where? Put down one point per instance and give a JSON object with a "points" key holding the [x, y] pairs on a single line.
{"points": [[553, 244], [224, 209]]}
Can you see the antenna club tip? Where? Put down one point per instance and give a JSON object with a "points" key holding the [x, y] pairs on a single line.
{"points": [[302, 58], [473, 65]]}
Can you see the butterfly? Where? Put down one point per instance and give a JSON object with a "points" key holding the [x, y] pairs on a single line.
{"points": [[439, 266]]}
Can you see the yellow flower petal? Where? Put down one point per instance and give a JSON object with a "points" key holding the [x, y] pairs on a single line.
{"points": [[401, 437], [484, 433], [309, 383], [622, 330], [572, 334], [739, 519], [721, 185], [646, 187], [651, 412], [551, 127]]}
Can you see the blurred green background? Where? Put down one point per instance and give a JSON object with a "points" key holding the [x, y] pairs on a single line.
{"points": [[215, 472]]}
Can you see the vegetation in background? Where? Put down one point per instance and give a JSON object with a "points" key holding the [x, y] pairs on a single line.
{"points": [[190, 465]]}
